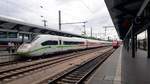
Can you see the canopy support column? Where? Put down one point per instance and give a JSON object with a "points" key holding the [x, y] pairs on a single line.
{"points": [[133, 42], [148, 42]]}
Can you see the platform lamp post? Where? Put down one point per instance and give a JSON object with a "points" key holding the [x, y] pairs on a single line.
{"points": [[43, 20]]}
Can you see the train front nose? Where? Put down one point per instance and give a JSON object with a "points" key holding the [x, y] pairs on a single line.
{"points": [[24, 49]]}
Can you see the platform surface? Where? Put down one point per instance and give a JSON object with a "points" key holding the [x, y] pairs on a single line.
{"points": [[6, 57], [121, 68]]}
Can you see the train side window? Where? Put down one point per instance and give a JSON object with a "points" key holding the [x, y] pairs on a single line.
{"points": [[49, 43], [71, 43]]}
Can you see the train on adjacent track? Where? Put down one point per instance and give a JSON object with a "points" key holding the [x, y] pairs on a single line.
{"points": [[116, 44], [48, 44]]}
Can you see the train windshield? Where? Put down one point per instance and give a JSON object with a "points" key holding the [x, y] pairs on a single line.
{"points": [[34, 39]]}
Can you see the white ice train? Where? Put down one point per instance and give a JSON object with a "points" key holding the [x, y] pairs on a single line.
{"points": [[47, 44]]}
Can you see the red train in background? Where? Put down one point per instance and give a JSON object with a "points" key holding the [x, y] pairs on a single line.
{"points": [[116, 44]]}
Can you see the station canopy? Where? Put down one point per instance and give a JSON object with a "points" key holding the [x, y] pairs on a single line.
{"points": [[124, 12], [12, 25]]}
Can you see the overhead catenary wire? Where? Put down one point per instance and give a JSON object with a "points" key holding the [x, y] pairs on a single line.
{"points": [[86, 6], [37, 12]]}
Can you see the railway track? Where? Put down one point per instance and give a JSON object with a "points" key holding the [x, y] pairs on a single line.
{"points": [[23, 60], [80, 73], [16, 72], [26, 60]]}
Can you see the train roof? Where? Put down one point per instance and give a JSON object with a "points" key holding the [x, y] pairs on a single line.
{"points": [[62, 37], [72, 38]]}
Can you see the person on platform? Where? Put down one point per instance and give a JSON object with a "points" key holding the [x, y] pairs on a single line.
{"points": [[12, 47], [9, 47]]}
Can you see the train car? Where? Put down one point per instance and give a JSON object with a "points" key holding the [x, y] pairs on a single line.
{"points": [[47, 44], [115, 44]]}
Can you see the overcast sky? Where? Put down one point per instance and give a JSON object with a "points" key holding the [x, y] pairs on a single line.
{"points": [[93, 11]]}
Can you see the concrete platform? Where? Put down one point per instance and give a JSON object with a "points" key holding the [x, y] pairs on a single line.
{"points": [[6, 57], [121, 68]]}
